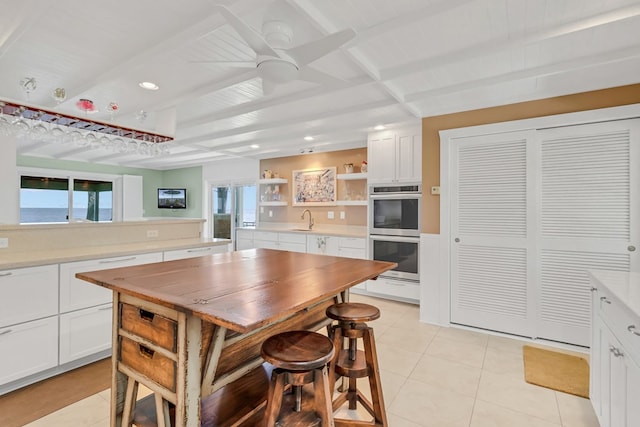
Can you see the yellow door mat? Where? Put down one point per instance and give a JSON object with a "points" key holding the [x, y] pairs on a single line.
{"points": [[557, 371]]}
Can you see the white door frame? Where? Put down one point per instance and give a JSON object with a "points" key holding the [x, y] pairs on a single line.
{"points": [[582, 117]]}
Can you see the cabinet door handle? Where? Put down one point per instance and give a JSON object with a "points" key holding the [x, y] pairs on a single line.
{"points": [[109, 261], [5, 332], [632, 329], [9, 273], [615, 351], [604, 299], [593, 289], [200, 249]]}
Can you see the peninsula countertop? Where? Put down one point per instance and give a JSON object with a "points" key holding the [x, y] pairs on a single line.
{"points": [[36, 257]]}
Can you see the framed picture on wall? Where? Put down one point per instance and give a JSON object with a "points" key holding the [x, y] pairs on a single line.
{"points": [[314, 187]]}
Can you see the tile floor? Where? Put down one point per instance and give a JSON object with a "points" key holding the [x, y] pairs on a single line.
{"points": [[432, 377]]}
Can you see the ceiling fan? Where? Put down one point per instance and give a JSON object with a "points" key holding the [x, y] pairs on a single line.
{"points": [[276, 62]]}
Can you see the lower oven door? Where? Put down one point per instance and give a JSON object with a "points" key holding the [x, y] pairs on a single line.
{"points": [[405, 251]]}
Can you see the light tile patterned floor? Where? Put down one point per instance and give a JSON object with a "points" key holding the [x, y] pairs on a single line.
{"points": [[432, 377]]}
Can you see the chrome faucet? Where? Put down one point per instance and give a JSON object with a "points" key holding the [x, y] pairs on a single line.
{"points": [[310, 217]]}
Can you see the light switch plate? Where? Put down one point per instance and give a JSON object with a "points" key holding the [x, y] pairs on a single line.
{"points": [[270, 214], [435, 190], [330, 215], [342, 215], [4, 242]]}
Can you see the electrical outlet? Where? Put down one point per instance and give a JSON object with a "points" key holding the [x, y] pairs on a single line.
{"points": [[152, 233], [343, 215], [261, 209], [4, 242], [270, 214], [330, 215], [435, 190]]}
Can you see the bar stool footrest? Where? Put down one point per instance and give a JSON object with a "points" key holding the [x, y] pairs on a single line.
{"points": [[352, 368]]}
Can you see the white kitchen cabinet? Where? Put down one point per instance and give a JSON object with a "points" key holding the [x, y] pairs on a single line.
{"points": [[397, 289], [194, 252], [615, 350], [76, 294], [322, 244], [28, 348], [244, 239], [85, 332], [294, 242], [28, 294], [395, 156]]}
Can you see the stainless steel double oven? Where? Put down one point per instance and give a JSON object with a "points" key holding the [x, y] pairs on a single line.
{"points": [[395, 214]]}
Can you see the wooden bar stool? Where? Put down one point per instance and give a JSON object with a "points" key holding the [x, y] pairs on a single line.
{"points": [[351, 363], [300, 358]]}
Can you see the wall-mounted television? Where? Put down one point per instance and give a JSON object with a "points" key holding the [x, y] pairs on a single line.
{"points": [[172, 198]]}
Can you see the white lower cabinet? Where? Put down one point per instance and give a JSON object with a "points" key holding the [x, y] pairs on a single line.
{"points": [[403, 289], [194, 252], [322, 244], [85, 332], [294, 242], [244, 239], [76, 294], [28, 294], [28, 348], [614, 360]]}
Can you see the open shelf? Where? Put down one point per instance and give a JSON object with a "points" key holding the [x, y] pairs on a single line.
{"points": [[273, 181], [351, 176]]}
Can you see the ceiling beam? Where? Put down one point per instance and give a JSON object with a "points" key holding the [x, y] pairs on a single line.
{"points": [[513, 41], [561, 67]]}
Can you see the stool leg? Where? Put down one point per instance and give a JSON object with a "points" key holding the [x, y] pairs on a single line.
{"points": [[371, 356], [274, 398], [337, 346], [129, 402], [322, 397]]}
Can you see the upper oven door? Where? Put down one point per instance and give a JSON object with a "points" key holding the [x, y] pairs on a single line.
{"points": [[395, 214]]}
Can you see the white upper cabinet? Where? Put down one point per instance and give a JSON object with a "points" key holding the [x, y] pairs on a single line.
{"points": [[395, 156]]}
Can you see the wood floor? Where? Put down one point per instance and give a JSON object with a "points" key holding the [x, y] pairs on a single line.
{"points": [[37, 400]]}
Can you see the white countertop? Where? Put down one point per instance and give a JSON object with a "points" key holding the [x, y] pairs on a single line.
{"points": [[34, 258], [624, 286], [340, 231]]}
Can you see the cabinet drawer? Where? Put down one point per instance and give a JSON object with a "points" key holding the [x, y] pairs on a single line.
{"points": [[77, 294], [150, 326], [85, 332], [28, 294], [352, 242], [194, 252], [622, 322], [28, 348], [293, 238], [395, 288], [148, 362], [265, 235]]}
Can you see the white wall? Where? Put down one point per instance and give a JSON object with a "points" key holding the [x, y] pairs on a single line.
{"points": [[9, 185]]}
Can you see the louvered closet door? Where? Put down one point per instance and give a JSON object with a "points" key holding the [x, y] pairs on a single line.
{"points": [[588, 219], [490, 227]]}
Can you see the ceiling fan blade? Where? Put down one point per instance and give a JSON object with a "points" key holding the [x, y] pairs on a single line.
{"points": [[309, 52], [251, 36], [315, 76], [239, 64], [268, 87]]}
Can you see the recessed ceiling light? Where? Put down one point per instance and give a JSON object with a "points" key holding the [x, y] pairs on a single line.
{"points": [[148, 85], [379, 127], [308, 138], [254, 146]]}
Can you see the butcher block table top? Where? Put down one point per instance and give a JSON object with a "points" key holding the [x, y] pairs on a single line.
{"points": [[241, 290]]}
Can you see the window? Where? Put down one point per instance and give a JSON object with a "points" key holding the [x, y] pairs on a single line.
{"points": [[48, 199]]}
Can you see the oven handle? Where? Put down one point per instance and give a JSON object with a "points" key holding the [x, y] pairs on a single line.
{"points": [[396, 196], [396, 238]]}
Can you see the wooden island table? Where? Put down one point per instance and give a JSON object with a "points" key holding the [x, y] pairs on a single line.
{"points": [[190, 330]]}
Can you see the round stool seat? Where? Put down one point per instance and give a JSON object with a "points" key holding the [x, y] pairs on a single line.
{"points": [[355, 312], [297, 350]]}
